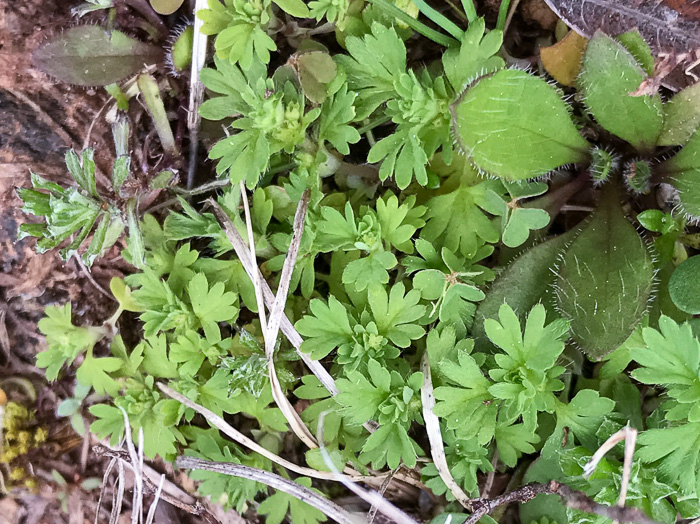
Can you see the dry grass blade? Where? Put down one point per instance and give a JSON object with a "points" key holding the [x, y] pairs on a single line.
{"points": [[105, 477], [199, 56], [118, 498], [288, 267], [219, 423], [329, 508], [373, 498], [154, 504], [614, 439], [256, 277], [137, 500], [270, 330], [286, 326], [432, 427], [629, 435], [170, 492]]}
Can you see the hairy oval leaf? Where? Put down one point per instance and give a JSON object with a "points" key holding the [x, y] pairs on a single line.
{"points": [[88, 55], [683, 172], [684, 286], [516, 126], [681, 117], [605, 279], [609, 75]]}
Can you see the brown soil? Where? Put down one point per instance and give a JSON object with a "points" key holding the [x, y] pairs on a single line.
{"points": [[39, 121]]}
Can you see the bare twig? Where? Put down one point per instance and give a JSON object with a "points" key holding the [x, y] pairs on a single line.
{"points": [[432, 427], [88, 275], [572, 498], [195, 508], [372, 513], [328, 507]]}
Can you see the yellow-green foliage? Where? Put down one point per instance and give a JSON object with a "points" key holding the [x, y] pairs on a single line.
{"points": [[20, 435]]}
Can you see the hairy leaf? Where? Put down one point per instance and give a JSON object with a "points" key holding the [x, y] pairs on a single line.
{"points": [[516, 126], [605, 280], [609, 95], [89, 55]]}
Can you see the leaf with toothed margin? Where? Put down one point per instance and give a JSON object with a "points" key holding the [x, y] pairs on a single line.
{"points": [[516, 126], [523, 283], [89, 55], [609, 75], [605, 279], [682, 171]]}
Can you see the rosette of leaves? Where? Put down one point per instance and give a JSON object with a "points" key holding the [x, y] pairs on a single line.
{"points": [[243, 26], [270, 113], [78, 211], [377, 330], [503, 406], [393, 400], [372, 234]]}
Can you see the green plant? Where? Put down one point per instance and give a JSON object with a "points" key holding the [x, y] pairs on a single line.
{"points": [[430, 324]]}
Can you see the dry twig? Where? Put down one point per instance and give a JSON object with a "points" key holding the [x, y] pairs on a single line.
{"points": [[570, 497], [328, 507], [196, 508]]}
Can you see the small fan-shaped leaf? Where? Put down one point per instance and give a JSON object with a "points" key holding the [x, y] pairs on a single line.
{"points": [[516, 126]]}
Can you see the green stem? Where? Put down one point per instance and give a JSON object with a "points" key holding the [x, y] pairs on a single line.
{"points": [[371, 124], [414, 24], [439, 19], [502, 15], [469, 10]]}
